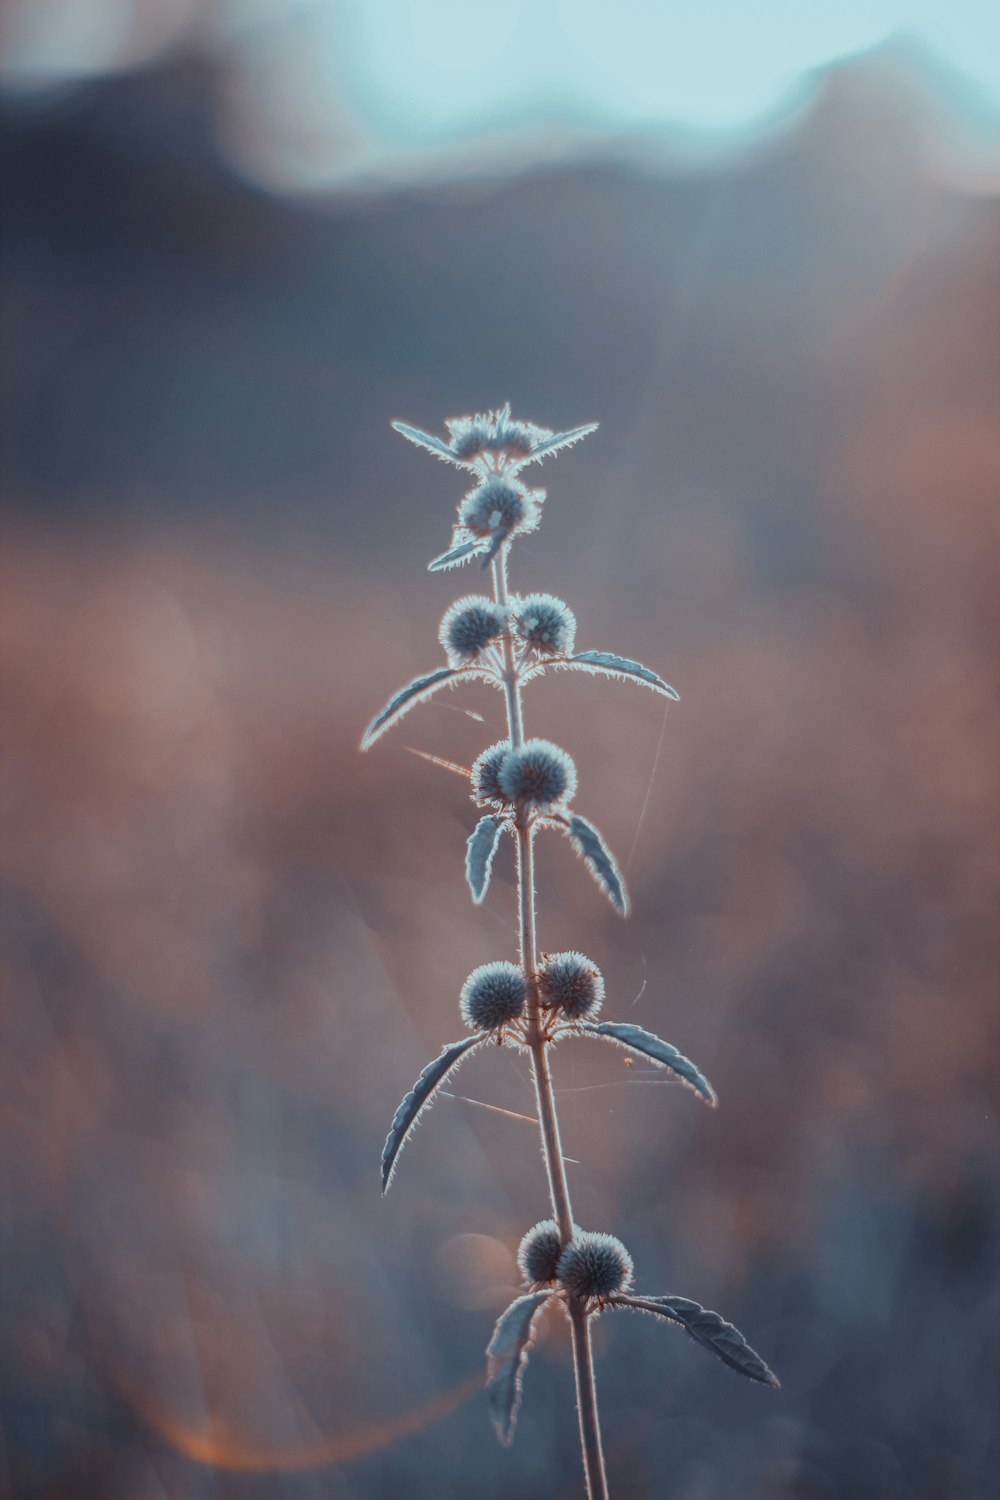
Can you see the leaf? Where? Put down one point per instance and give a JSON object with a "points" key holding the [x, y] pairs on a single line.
{"points": [[507, 1357], [404, 700], [709, 1329], [589, 844], [555, 442], [405, 1117], [620, 666], [455, 557], [425, 440], [653, 1046], [483, 843]]}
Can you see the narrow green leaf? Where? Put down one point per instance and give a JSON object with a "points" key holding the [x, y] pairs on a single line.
{"points": [[406, 1115], [589, 844], [454, 558], [482, 847], [507, 1357], [620, 666], [708, 1329], [426, 440], [555, 442], [638, 1040], [407, 697]]}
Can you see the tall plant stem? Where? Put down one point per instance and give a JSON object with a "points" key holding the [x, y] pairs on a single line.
{"points": [[562, 1212]]}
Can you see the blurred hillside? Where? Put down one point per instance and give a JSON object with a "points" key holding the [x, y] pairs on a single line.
{"points": [[231, 942]]}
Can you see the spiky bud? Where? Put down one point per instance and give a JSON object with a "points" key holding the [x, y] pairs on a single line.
{"points": [[594, 1265], [546, 623], [499, 504], [493, 432], [486, 788], [493, 996], [538, 1256], [570, 984], [537, 776], [469, 626]]}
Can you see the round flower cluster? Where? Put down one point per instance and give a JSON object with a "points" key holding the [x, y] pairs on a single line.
{"points": [[594, 1265], [493, 996], [538, 1256], [486, 789], [493, 432], [469, 626], [570, 984], [546, 623], [500, 505], [537, 776]]}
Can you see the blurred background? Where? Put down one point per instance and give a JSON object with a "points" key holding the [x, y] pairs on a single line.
{"points": [[761, 246]]}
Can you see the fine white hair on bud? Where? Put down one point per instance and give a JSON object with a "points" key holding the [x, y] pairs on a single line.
{"points": [[493, 439], [537, 776], [594, 1265], [499, 505], [571, 984], [493, 432], [539, 1252], [544, 622], [469, 626], [486, 788], [493, 996]]}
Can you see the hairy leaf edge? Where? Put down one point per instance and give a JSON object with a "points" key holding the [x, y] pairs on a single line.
{"points": [[418, 1097]]}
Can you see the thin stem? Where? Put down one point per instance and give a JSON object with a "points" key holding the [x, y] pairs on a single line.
{"points": [[511, 684], [544, 1094], [562, 1211], [586, 1402]]}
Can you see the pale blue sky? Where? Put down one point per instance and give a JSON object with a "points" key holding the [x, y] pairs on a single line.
{"points": [[321, 93]]}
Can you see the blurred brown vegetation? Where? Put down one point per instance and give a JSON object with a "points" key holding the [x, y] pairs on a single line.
{"points": [[231, 942]]}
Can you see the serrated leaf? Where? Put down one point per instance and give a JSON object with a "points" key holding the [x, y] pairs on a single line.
{"points": [[482, 847], [507, 1356], [455, 558], [609, 665], [709, 1329], [413, 693], [427, 441], [639, 1040], [555, 442], [405, 1117], [589, 844]]}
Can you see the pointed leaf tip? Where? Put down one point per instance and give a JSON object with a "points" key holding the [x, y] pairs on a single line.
{"points": [[404, 700], [507, 1357], [455, 557], [427, 441], [609, 665], [639, 1040], [482, 847], [590, 846], [708, 1329], [557, 441], [405, 1117]]}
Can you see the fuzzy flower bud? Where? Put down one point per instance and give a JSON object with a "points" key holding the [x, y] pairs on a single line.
{"points": [[468, 627], [538, 1256], [486, 789], [594, 1265], [537, 776], [498, 505], [546, 623], [493, 996], [571, 984], [493, 432]]}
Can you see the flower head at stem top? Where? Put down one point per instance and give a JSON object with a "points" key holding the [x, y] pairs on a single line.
{"points": [[493, 440]]}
